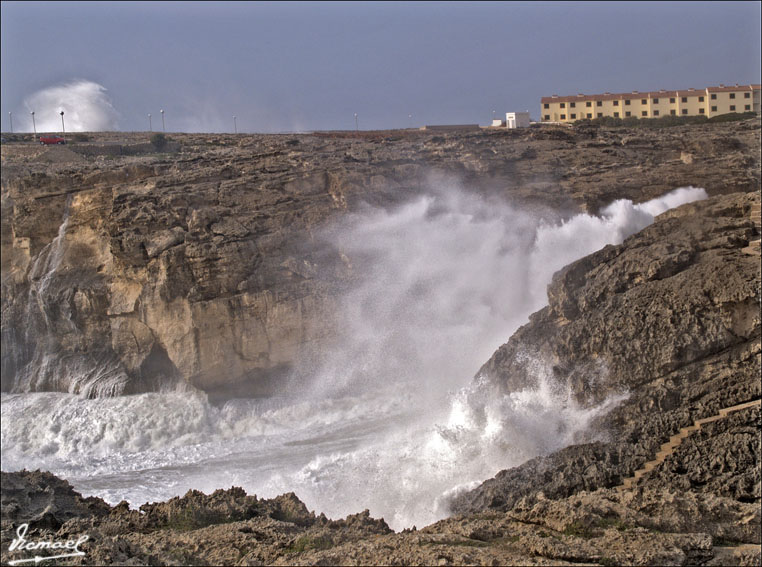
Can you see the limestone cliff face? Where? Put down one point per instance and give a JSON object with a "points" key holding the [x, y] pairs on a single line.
{"points": [[671, 318], [126, 274]]}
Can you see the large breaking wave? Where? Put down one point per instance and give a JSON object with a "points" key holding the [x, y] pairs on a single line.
{"points": [[390, 419]]}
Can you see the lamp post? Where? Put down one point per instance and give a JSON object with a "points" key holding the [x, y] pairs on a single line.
{"points": [[150, 126], [34, 125], [493, 116], [357, 124], [410, 118], [63, 128], [162, 121], [235, 126], [10, 116]]}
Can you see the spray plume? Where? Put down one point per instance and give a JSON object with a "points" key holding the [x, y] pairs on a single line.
{"points": [[85, 104]]}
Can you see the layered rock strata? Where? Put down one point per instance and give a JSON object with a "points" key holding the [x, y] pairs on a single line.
{"points": [[126, 274]]}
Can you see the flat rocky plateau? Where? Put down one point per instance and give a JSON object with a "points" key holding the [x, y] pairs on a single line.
{"points": [[669, 319]]}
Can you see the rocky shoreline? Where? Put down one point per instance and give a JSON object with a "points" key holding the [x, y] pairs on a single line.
{"points": [[669, 320]]}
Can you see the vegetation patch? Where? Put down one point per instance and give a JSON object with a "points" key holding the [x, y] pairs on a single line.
{"points": [[664, 121], [306, 542], [159, 141], [576, 529], [721, 542], [615, 523]]}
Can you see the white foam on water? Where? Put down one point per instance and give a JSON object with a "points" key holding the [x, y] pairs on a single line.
{"points": [[392, 420]]}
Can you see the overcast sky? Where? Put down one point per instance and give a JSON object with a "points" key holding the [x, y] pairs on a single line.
{"points": [[309, 66]]}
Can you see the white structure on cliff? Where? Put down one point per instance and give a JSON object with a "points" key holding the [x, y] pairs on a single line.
{"points": [[517, 119]]}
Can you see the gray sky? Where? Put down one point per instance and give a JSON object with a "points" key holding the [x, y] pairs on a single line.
{"points": [[308, 66]]}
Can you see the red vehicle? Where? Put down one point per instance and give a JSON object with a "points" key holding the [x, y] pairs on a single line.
{"points": [[47, 140]]}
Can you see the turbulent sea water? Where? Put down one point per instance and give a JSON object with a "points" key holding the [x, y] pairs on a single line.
{"points": [[391, 419]]}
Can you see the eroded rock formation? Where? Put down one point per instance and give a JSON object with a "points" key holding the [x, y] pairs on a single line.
{"points": [[124, 274]]}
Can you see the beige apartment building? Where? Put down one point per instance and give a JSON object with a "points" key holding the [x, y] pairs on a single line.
{"points": [[711, 101]]}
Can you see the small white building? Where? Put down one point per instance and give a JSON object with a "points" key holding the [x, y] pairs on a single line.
{"points": [[517, 119]]}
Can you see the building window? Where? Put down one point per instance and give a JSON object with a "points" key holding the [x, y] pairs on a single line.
{"points": [[546, 105], [644, 113], [672, 100], [573, 116], [714, 109], [588, 104], [672, 112], [746, 95], [732, 107], [589, 114], [656, 101], [563, 117], [732, 95], [643, 101], [701, 111], [627, 102], [616, 103], [684, 99], [685, 111], [747, 107], [656, 113], [627, 114], [599, 103], [600, 115], [616, 115], [714, 97], [701, 99], [572, 105], [547, 117], [563, 105]]}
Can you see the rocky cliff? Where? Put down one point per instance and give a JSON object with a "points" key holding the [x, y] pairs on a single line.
{"points": [[670, 320], [125, 274]]}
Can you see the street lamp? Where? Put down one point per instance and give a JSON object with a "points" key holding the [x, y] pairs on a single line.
{"points": [[493, 116], [235, 126], [10, 115], [150, 126], [63, 128], [357, 126], [162, 120], [34, 125]]}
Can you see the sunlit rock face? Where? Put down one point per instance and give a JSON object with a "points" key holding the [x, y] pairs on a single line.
{"points": [[210, 266]]}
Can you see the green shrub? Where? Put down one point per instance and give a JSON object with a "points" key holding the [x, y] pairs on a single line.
{"points": [[306, 542], [159, 140], [733, 117], [664, 121], [577, 529]]}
